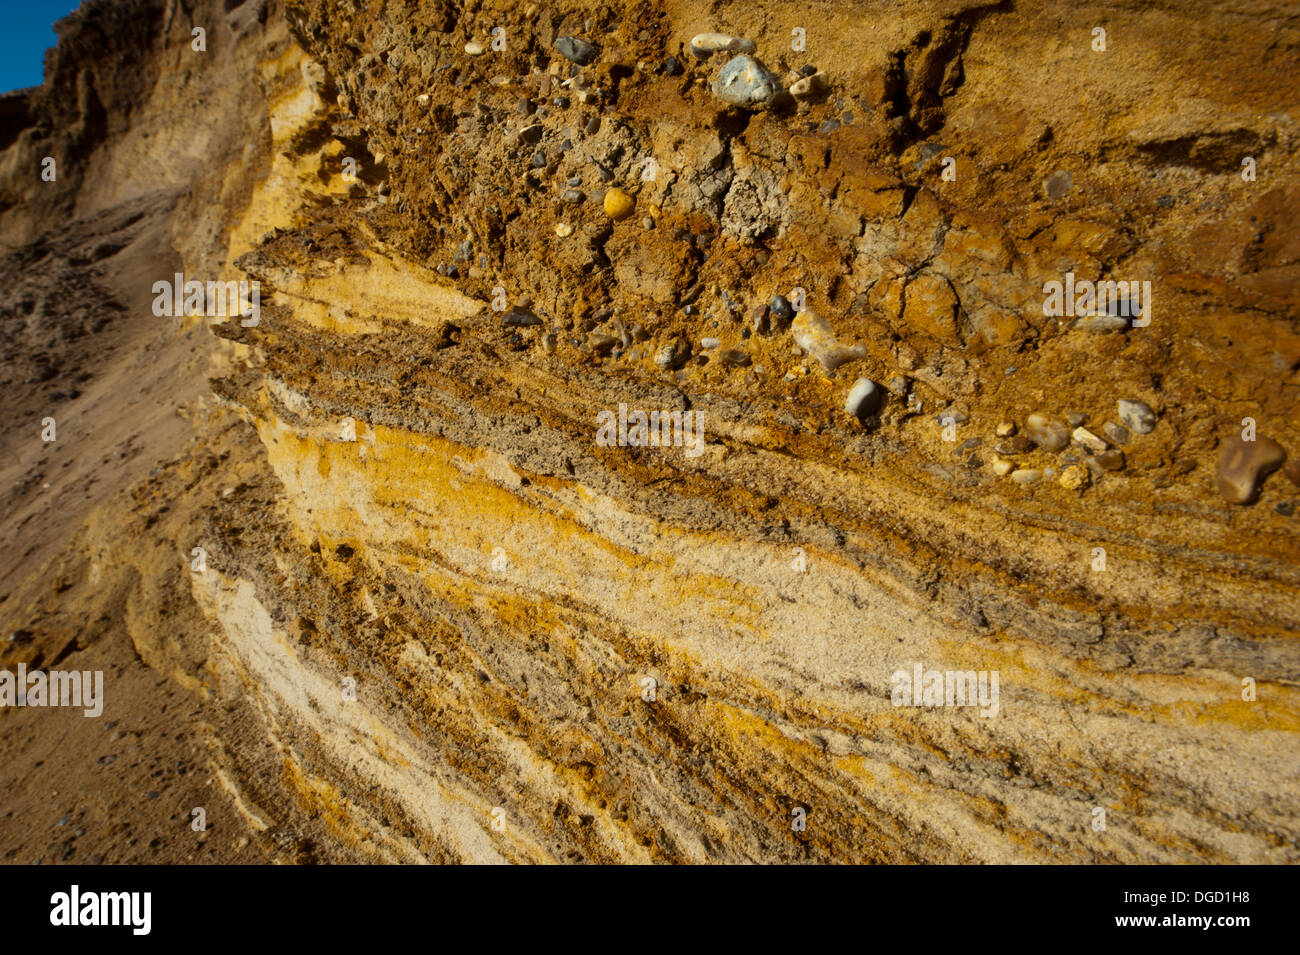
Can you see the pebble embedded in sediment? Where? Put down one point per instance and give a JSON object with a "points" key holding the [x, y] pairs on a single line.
{"points": [[1076, 418], [618, 204], [602, 344], [1026, 475], [812, 333], [1112, 460], [1117, 433], [781, 309], [704, 45], [1075, 478], [576, 49], [1050, 434], [747, 83], [1243, 465], [808, 86], [564, 230], [518, 317], [863, 399], [673, 355], [1100, 323], [1137, 416], [734, 356], [1001, 466], [1019, 444], [1005, 430], [709, 343], [1089, 440], [474, 49]]}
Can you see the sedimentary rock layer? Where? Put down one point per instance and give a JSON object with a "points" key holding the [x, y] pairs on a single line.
{"points": [[443, 617]]}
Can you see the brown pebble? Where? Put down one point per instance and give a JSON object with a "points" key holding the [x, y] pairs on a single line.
{"points": [[1243, 465], [1050, 434], [1016, 445], [1112, 460]]}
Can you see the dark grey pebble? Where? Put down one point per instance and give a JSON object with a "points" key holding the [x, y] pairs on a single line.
{"points": [[780, 308], [576, 49]]}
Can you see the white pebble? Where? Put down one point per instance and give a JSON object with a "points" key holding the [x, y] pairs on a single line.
{"points": [[1089, 440], [706, 44], [864, 398]]}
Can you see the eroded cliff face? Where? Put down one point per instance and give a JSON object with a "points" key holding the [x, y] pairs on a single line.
{"points": [[441, 616]]}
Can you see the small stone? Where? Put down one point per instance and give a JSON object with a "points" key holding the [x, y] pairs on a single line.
{"points": [[572, 196], [1137, 416], [747, 83], [423, 99], [1112, 460], [709, 343], [1017, 445], [758, 319], [897, 385], [781, 309], [1001, 466], [618, 204], [474, 49], [1075, 418], [602, 344], [1050, 434], [1005, 430], [1285, 508], [548, 343], [1243, 465], [592, 127], [1089, 440], [1075, 478], [576, 49], [734, 356], [808, 87], [1100, 323], [704, 45], [647, 223], [1026, 475], [520, 318], [863, 398], [951, 415], [673, 355], [813, 334], [1117, 433], [1058, 184], [564, 230]]}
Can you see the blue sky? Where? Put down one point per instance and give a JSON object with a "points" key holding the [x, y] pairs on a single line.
{"points": [[27, 31]]}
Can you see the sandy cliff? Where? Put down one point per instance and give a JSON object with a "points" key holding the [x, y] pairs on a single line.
{"points": [[440, 616]]}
